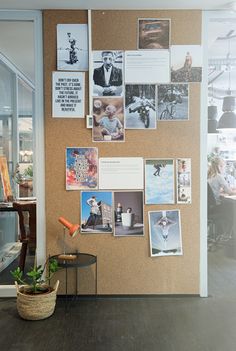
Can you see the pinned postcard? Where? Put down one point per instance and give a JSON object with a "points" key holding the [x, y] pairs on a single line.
{"points": [[159, 181], [120, 173], [108, 119], [165, 233], [183, 177], [140, 106], [153, 33], [72, 47], [128, 213], [68, 94], [173, 102], [96, 212], [81, 168], [147, 67], [186, 63]]}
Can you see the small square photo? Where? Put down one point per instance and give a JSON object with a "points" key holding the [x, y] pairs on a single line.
{"points": [[153, 33]]}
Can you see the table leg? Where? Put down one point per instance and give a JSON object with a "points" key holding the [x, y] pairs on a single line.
{"points": [[66, 286], [76, 280], [96, 282]]}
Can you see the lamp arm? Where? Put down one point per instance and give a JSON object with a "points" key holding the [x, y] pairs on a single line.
{"points": [[64, 237]]}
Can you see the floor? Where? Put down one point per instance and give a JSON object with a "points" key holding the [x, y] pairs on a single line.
{"points": [[134, 324]]}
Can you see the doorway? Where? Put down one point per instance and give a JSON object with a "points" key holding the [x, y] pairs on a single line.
{"points": [[22, 135], [221, 147]]}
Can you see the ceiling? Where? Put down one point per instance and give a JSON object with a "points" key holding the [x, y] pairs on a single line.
{"points": [[113, 4]]}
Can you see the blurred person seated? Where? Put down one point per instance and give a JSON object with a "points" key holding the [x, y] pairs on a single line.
{"points": [[220, 187]]}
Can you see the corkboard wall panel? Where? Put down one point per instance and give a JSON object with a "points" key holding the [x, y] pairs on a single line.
{"points": [[124, 263]]}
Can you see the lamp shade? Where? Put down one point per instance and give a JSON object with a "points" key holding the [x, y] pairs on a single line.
{"points": [[227, 121], [212, 126], [212, 112], [212, 119], [229, 103], [73, 228]]}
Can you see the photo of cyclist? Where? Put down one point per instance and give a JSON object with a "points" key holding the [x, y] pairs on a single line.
{"points": [[73, 58], [173, 102], [72, 47], [172, 98], [140, 106], [143, 102]]}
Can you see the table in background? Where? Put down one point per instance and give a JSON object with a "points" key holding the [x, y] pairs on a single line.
{"points": [[27, 235]]}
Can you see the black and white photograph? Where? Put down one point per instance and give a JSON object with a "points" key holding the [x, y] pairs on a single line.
{"points": [[173, 102], [140, 106], [165, 233], [107, 73], [183, 178], [153, 33], [128, 210], [96, 212], [186, 63], [108, 119], [72, 47]]}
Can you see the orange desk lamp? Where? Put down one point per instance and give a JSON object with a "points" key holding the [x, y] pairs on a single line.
{"points": [[73, 231]]}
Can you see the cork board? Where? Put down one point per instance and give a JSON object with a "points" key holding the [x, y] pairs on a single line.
{"points": [[124, 263]]}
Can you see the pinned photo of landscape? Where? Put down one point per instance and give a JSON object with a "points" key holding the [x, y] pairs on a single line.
{"points": [[186, 63], [159, 181]]}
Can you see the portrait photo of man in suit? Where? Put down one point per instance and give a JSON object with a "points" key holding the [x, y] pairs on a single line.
{"points": [[108, 77]]}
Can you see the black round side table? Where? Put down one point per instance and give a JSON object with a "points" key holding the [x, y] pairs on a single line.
{"points": [[76, 260]]}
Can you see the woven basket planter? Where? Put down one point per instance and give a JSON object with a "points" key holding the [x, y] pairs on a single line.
{"points": [[36, 307]]}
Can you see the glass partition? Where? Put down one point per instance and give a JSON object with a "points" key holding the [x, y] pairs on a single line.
{"points": [[6, 112], [16, 147], [26, 138]]}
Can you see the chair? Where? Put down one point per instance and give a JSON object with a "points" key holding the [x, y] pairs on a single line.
{"points": [[211, 201], [213, 218], [27, 231], [219, 221]]}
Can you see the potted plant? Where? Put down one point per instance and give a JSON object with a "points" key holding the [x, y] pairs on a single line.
{"points": [[35, 298], [24, 180]]}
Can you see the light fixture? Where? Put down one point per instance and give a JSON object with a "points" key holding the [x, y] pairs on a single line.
{"points": [[227, 121], [231, 6], [73, 231], [212, 115]]}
